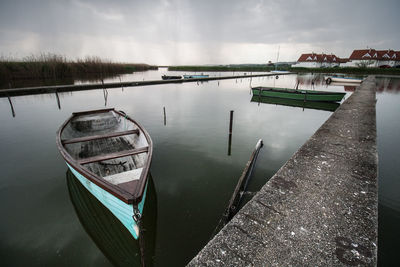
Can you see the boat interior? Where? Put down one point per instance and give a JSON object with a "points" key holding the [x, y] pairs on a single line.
{"points": [[108, 145]]}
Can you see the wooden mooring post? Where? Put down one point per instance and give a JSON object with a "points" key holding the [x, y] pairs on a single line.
{"points": [[12, 107], [165, 117], [230, 133]]}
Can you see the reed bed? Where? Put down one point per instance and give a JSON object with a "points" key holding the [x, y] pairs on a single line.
{"points": [[56, 67]]}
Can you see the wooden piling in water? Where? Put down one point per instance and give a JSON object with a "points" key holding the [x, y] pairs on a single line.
{"points": [[165, 117], [231, 122], [230, 133], [12, 107]]}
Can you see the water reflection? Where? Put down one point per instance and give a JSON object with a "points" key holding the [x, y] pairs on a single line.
{"points": [[388, 127], [14, 82], [12, 107], [19, 83], [58, 101], [110, 236], [387, 85], [327, 106], [193, 175]]}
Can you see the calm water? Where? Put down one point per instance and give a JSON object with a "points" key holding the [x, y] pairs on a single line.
{"points": [[43, 209], [388, 128]]}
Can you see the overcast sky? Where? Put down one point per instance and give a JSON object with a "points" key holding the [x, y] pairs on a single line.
{"points": [[196, 32]]}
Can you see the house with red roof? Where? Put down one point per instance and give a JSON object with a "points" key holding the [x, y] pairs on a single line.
{"points": [[314, 60], [373, 58]]}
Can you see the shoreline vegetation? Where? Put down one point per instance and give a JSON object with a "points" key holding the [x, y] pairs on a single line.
{"points": [[52, 69], [261, 68]]}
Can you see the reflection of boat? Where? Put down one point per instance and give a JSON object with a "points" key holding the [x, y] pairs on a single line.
{"points": [[348, 87], [194, 76], [330, 79], [298, 94], [171, 77], [343, 84], [110, 236], [110, 154], [328, 106], [280, 71]]}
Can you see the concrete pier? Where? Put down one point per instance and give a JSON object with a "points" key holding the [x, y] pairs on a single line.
{"points": [[91, 86], [320, 208]]}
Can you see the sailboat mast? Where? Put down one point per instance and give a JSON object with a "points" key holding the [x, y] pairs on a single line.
{"points": [[277, 58]]}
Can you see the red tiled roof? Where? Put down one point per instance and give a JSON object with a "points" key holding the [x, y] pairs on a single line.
{"points": [[304, 57], [318, 58], [375, 54]]}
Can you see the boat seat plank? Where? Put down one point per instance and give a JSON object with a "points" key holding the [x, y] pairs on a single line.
{"points": [[124, 177], [114, 155], [95, 137]]}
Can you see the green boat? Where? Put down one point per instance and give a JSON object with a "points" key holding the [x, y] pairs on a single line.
{"points": [[327, 106], [298, 94]]}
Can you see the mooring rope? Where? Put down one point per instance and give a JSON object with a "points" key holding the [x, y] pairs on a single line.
{"points": [[137, 217]]}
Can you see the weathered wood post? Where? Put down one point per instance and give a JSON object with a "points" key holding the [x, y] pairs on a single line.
{"points": [[240, 189], [165, 117], [12, 108], [230, 132]]}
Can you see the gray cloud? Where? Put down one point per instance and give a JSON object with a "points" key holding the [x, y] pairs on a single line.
{"points": [[196, 32]]}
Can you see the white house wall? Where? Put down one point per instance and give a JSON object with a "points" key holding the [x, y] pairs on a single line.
{"points": [[307, 64]]}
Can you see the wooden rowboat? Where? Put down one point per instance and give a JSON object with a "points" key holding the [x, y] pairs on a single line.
{"points": [[298, 94], [110, 154]]}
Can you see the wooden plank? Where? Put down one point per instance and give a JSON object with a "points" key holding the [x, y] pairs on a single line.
{"points": [[92, 111], [95, 137], [242, 182], [235, 200], [124, 177], [115, 155], [80, 87]]}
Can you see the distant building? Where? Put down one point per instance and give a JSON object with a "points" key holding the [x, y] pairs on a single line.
{"points": [[373, 59], [314, 60]]}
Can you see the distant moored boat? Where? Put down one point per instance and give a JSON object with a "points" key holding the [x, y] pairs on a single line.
{"points": [[195, 76], [110, 154], [171, 77]]}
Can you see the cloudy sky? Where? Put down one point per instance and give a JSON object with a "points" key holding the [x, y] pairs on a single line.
{"points": [[196, 32]]}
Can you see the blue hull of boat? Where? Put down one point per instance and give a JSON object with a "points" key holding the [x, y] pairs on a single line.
{"points": [[194, 76], [120, 209]]}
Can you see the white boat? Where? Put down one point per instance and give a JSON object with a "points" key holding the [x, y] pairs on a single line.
{"points": [[280, 71], [329, 79]]}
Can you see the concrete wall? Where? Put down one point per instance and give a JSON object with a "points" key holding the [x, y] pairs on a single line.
{"points": [[320, 208]]}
